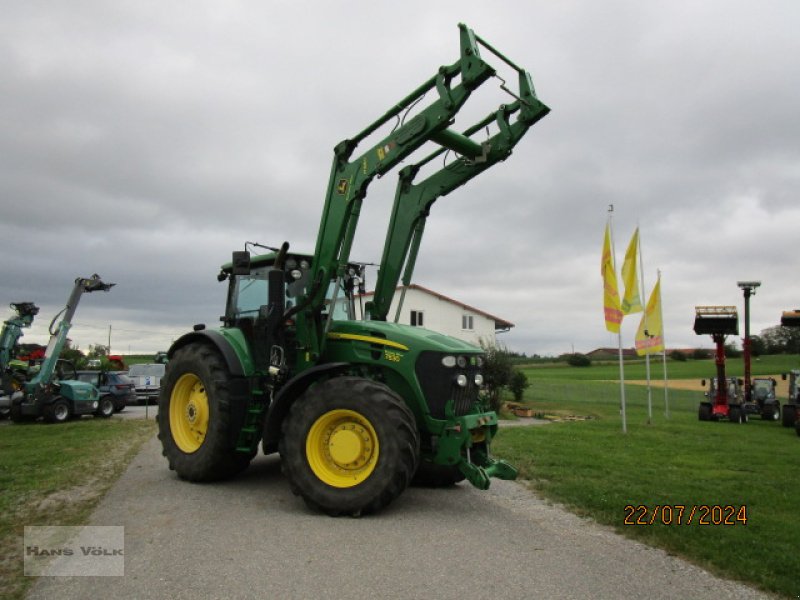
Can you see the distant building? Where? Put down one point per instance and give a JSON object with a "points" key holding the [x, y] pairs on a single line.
{"points": [[425, 308]]}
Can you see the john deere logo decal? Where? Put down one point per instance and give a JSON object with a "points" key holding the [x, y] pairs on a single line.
{"points": [[342, 187]]}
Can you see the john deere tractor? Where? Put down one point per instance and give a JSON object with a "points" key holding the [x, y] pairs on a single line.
{"points": [[356, 408]]}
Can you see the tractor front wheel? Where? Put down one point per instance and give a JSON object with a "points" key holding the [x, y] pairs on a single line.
{"points": [[105, 407], [350, 446], [194, 414], [704, 412], [58, 411], [771, 412]]}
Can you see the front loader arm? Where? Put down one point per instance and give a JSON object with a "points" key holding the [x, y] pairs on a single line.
{"points": [[413, 201], [349, 179]]}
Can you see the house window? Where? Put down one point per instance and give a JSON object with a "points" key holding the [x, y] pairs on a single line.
{"points": [[466, 323], [416, 318]]}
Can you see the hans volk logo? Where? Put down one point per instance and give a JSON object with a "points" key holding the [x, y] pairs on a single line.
{"points": [[74, 551]]}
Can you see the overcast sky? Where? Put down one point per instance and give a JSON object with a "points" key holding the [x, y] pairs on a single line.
{"points": [[145, 141]]}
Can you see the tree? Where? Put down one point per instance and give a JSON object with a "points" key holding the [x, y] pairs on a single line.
{"points": [[97, 351], [497, 372], [701, 354], [578, 360], [519, 383], [677, 355], [781, 340]]}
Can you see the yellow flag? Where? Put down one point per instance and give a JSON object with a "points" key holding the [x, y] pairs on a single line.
{"points": [[650, 336], [613, 312], [631, 303]]}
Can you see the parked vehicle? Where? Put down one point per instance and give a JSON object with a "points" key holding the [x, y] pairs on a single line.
{"points": [[732, 392], [354, 407], [116, 384], [53, 392], [765, 402], [147, 380]]}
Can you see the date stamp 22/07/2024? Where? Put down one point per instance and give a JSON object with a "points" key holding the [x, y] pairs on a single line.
{"points": [[685, 514]]}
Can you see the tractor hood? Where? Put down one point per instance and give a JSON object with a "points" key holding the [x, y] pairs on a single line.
{"points": [[402, 337]]}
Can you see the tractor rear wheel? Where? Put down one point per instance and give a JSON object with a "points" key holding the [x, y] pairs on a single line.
{"points": [[789, 415], [194, 414], [17, 416], [350, 446], [58, 411], [735, 414]]}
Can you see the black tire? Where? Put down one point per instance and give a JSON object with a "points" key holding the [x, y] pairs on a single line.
{"points": [[105, 407], [704, 412], [432, 475], [209, 457], [771, 412], [735, 414], [382, 422], [17, 416], [797, 427], [58, 411], [789, 415]]}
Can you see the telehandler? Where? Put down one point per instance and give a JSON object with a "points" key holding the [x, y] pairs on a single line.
{"points": [[724, 398], [11, 370], [355, 408], [53, 392]]}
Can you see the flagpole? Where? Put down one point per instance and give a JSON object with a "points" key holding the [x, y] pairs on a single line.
{"points": [[619, 334], [644, 317], [664, 353]]}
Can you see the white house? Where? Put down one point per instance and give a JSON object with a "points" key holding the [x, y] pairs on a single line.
{"points": [[425, 308]]}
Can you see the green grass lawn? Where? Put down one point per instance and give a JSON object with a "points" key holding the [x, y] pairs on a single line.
{"points": [[596, 470], [55, 475], [691, 369]]}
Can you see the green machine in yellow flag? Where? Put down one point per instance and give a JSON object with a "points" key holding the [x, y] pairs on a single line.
{"points": [[611, 305], [631, 302], [650, 336]]}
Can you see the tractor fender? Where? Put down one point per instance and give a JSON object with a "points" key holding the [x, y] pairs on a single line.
{"points": [[284, 399], [217, 340]]}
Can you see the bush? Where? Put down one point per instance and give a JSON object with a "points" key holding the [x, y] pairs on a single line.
{"points": [[678, 355], [497, 372], [701, 354], [519, 383], [578, 360]]}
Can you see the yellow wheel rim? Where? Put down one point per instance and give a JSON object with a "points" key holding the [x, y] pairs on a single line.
{"points": [[342, 448], [188, 413]]}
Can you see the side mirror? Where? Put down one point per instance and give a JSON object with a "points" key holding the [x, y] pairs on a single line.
{"points": [[241, 262], [740, 381], [783, 376], [703, 382]]}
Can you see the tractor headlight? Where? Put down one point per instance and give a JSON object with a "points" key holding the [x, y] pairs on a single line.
{"points": [[461, 361], [449, 361], [461, 380], [296, 273], [478, 379], [95, 404], [479, 361]]}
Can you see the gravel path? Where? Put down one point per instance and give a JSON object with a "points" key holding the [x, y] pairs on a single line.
{"points": [[250, 538]]}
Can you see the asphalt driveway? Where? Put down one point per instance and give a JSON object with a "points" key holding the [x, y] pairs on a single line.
{"points": [[251, 538]]}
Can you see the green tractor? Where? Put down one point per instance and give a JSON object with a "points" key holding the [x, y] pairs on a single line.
{"points": [[356, 405], [53, 392]]}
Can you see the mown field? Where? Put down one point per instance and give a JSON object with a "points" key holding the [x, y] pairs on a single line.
{"points": [[597, 471]]}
